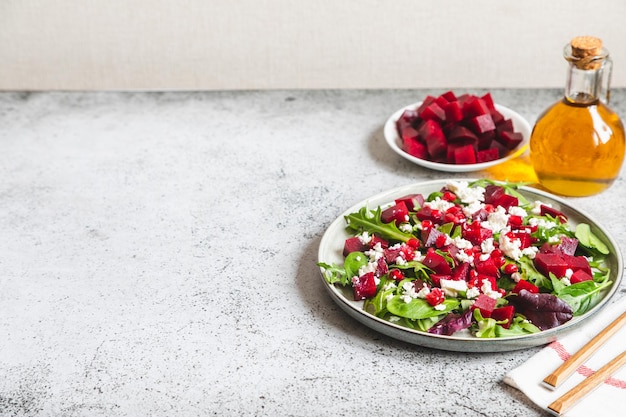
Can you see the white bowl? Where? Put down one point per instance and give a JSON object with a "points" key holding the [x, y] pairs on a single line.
{"points": [[395, 142]]}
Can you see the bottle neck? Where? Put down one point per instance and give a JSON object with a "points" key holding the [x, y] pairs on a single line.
{"points": [[583, 86]]}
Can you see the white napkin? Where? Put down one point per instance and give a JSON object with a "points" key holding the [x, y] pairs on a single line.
{"points": [[609, 399]]}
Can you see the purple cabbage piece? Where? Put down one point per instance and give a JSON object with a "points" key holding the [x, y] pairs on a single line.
{"points": [[543, 310], [452, 323]]}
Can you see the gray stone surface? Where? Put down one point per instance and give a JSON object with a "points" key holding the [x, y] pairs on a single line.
{"points": [[158, 258]]}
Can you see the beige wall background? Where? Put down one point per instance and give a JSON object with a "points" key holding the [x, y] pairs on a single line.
{"points": [[310, 44]]}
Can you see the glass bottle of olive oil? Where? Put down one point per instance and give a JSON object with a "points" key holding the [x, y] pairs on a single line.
{"points": [[577, 144]]}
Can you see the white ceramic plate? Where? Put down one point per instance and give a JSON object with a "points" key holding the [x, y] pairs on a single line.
{"points": [[395, 142], [331, 247]]}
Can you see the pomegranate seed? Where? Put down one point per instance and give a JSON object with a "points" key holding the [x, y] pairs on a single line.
{"points": [[441, 241], [435, 297], [498, 261], [427, 224], [396, 274], [496, 253], [510, 269], [450, 218], [413, 243], [448, 196]]}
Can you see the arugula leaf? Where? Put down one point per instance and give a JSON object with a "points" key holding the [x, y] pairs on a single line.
{"points": [[531, 274], [583, 295], [334, 274], [418, 308], [520, 326], [589, 240], [370, 221]]}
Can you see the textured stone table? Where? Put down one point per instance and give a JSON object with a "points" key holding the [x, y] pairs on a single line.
{"points": [[158, 258]]}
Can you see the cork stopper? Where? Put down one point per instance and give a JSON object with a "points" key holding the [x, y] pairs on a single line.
{"points": [[585, 51]]}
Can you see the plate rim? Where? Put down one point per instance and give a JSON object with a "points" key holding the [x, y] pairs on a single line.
{"points": [[392, 138], [455, 343]]}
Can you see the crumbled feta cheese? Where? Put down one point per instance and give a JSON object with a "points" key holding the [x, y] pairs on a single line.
{"points": [[569, 272], [423, 292], [472, 208], [536, 208], [400, 261], [369, 267], [375, 253], [406, 227], [390, 285], [394, 319], [451, 288], [462, 256], [484, 257], [488, 291], [542, 223], [472, 293], [565, 281], [364, 238], [418, 256], [461, 243], [440, 307], [517, 211], [497, 220], [465, 193], [510, 248], [439, 204], [530, 251], [487, 246], [516, 276]]}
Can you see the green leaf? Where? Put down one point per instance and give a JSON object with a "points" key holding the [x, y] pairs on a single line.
{"points": [[370, 221], [530, 273], [588, 239], [582, 296], [334, 274], [353, 262], [418, 308]]}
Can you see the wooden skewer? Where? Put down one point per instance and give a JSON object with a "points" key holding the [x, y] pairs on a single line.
{"points": [[566, 401], [569, 366]]}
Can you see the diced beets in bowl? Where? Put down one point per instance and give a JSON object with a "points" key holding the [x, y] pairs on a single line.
{"points": [[504, 313], [487, 155], [510, 139], [415, 148], [465, 155], [353, 244], [398, 213], [482, 123], [444, 121], [364, 286], [413, 202]]}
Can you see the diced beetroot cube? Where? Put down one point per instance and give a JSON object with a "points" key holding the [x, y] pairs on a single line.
{"points": [[433, 112], [441, 101], [409, 133], [497, 117], [576, 263], [487, 267], [415, 148], [475, 106], [427, 213], [493, 193], [568, 245], [381, 267], [398, 213], [510, 139], [462, 134], [461, 272], [504, 313], [427, 102], [525, 285], [553, 212], [449, 95], [487, 155], [465, 155], [353, 244], [486, 305], [506, 201], [550, 262], [454, 112], [475, 233], [364, 286], [407, 118], [524, 238], [488, 100], [432, 134], [580, 276], [377, 239], [506, 125], [436, 278], [482, 123], [430, 237], [485, 140], [413, 202], [437, 263]]}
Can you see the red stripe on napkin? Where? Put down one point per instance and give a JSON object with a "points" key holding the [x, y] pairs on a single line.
{"points": [[582, 369]]}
